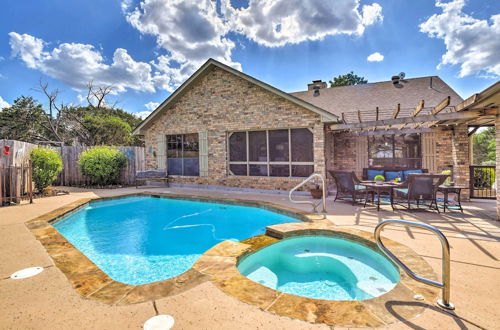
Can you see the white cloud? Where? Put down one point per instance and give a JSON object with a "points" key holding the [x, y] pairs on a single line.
{"points": [[3, 103], [372, 14], [76, 64], [142, 114], [375, 57], [27, 47], [472, 43], [275, 23], [151, 105], [190, 31]]}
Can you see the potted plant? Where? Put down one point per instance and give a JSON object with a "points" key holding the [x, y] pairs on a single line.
{"points": [[448, 181], [379, 179], [316, 192]]}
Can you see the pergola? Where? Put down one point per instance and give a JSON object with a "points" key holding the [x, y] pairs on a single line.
{"points": [[481, 109], [478, 110]]}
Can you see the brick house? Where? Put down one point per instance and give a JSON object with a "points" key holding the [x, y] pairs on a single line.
{"points": [[225, 128]]}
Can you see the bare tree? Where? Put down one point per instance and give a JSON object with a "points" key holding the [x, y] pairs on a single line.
{"points": [[96, 95], [53, 121]]}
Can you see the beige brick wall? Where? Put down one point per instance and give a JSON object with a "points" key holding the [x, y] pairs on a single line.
{"points": [[221, 102]]}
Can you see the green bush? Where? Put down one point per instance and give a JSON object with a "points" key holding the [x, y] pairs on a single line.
{"points": [[46, 166], [379, 178], [102, 165]]}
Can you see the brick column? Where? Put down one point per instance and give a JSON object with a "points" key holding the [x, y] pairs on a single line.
{"points": [[461, 157], [497, 167]]}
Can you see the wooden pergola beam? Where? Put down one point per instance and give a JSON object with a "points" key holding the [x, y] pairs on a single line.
{"points": [[396, 111], [418, 119], [395, 131], [441, 106], [418, 108]]}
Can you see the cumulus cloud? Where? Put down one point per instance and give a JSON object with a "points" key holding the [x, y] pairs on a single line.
{"points": [[151, 105], [375, 57], [190, 31], [3, 103], [142, 114], [76, 64], [472, 43], [275, 23]]}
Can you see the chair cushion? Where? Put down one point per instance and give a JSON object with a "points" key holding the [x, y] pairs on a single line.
{"points": [[371, 174], [391, 175], [405, 173], [401, 191], [360, 187]]}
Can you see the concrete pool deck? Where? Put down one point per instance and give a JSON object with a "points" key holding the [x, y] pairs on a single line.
{"points": [[47, 301]]}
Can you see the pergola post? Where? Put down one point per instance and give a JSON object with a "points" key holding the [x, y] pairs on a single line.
{"points": [[497, 166]]}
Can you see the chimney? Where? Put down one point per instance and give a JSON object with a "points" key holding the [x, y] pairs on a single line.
{"points": [[316, 83]]}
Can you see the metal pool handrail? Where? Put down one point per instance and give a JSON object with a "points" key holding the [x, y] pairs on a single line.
{"points": [[445, 285], [309, 202]]}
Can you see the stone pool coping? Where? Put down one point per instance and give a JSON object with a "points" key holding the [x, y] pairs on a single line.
{"points": [[218, 265], [220, 262], [91, 282]]}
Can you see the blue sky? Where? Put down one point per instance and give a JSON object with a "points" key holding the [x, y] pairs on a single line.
{"points": [[147, 48]]}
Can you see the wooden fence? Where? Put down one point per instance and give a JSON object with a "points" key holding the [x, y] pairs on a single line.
{"points": [[15, 171], [72, 176]]}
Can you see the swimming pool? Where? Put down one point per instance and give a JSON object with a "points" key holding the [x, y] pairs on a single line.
{"points": [[321, 267], [143, 239]]}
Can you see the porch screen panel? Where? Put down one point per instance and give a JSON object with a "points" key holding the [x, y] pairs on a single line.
{"points": [[238, 147], [302, 151], [280, 152], [278, 145]]}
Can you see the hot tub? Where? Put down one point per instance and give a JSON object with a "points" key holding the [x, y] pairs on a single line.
{"points": [[321, 267]]}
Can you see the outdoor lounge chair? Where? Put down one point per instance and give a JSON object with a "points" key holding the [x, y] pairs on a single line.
{"points": [[143, 176], [418, 188], [348, 186]]}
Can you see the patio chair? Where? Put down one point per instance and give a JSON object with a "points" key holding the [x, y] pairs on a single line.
{"points": [[348, 186], [153, 175], [419, 187]]}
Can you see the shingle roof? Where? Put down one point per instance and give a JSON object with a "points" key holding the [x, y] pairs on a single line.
{"points": [[383, 94]]}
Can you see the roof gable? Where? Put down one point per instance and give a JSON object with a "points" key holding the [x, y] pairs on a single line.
{"points": [[207, 67]]}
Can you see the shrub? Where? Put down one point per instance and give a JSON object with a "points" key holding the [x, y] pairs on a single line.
{"points": [[102, 165], [46, 166], [379, 178]]}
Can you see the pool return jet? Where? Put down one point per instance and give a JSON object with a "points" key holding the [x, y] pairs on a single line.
{"points": [[314, 205]]}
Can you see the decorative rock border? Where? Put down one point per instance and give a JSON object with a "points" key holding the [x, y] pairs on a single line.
{"points": [[219, 266]]}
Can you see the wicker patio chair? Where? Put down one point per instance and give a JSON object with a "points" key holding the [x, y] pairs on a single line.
{"points": [[348, 186], [418, 188]]}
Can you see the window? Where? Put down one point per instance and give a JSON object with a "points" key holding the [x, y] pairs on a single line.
{"points": [[282, 152], [183, 154], [400, 151]]}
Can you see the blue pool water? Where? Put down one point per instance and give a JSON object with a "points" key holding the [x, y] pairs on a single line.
{"points": [[138, 240], [321, 267]]}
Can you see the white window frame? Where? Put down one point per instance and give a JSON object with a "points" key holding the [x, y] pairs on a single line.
{"points": [[268, 163]]}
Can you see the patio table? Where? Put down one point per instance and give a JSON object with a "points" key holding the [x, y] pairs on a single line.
{"points": [[446, 190], [379, 189]]}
